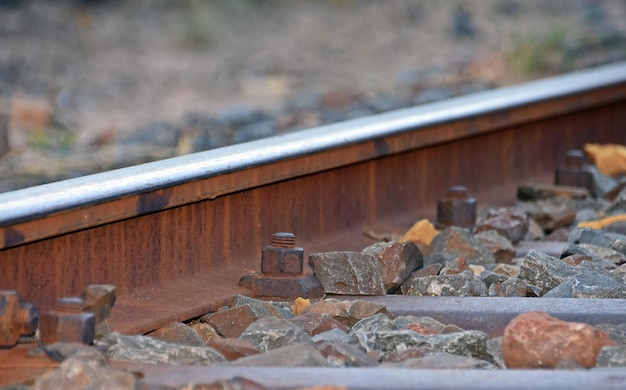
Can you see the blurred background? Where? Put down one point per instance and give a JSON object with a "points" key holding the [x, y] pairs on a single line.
{"points": [[93, 85]]}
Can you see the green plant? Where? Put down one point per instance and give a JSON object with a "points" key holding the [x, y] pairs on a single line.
{"points": [[533, 52]]}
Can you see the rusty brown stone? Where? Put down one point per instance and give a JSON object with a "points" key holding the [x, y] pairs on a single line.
{"points": [[507, 269], [233, 348], [509, 222], [455, 267], [574, 260], [179, 333], [459, 242], [417, 328], [233, 321], [397, 261], [538, 340], [346, 312], [316, 323], [205, 331], [499, 246], [340, 354], [429, 270]]}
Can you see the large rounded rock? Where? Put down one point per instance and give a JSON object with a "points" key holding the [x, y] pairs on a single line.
{"points": [[538, 340]]}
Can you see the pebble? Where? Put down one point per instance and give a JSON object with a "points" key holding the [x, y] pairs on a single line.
{"points": [[538, 340], [179, 333], [269, 333], [346, 312], [460, 242], [147, 350], [397, 261], [509, 222], [612, 357], [464, 284], [499, 246], [295, 355], [316, 323], [350, 273], [544, 271]]}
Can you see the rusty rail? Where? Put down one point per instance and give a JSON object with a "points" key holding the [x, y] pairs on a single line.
{"points": [[176, 235]]}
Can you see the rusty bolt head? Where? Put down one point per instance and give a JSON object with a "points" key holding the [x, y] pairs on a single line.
{"points": [[456, 209], [282, 257], [67, 323], [16, 318], [574, 171]]}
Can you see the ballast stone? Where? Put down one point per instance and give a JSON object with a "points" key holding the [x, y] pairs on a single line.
{"points": [[348, 273]]}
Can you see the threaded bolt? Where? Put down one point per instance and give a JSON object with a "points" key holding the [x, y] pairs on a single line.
{"points": [[457, 192], [283, 240], [69, 305], [574, 158]]}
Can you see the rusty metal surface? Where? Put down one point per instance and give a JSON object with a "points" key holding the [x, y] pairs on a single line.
{"points": [[71, 205], [492, 314], [386, 378], [178, 252]]}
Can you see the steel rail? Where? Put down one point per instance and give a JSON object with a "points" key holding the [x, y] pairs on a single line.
{"points": [[176, 235], [49, 199]]}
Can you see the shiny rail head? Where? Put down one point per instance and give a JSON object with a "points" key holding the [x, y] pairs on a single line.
{"points": [[40, 201]]}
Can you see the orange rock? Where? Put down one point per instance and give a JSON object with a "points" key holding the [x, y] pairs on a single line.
{"points": [[610, 159], [299, 305], [423, 231], [538, 340]]}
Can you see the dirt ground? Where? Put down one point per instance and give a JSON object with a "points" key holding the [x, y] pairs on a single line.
{"points": [[102, 69]]}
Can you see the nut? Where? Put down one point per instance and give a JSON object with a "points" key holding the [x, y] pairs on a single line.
{"points": [[456, 209], [16, 318], [282, 257], [67, 323]]}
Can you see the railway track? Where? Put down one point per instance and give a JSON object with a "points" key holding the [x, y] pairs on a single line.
{"points": [[176, 236]]}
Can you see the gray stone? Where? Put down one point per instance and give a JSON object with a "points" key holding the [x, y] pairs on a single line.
{"points": [[455, 267], [270, 333], [585, 215], [178, 333], [463, 284], [535, 232], [444, 361], [603, 184], [612, 357], [494, 350], [376, 322], [617, 332], [613, 241], [76, 373], [470, 343], [332, 335], [615, 257], [499, 246], [296, 355], [588, 284], [397, 261], [429, 270], [351, 273], [459, 242], [438, 258], [544, 271], [403, 322], [340, 354], [143, 349], [549, 214], [512, 287], [490, 277], [264, 308], [620, 273], [509, 222]]}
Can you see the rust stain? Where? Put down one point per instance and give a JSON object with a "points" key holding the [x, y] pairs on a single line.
{"points": [[153, 201], [13, 236], [382, 148]]}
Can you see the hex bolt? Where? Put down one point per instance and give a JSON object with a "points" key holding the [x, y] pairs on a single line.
{"points": [[16, 318], [282, 257], [575, 171], [456, 209], [67, 323]]}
